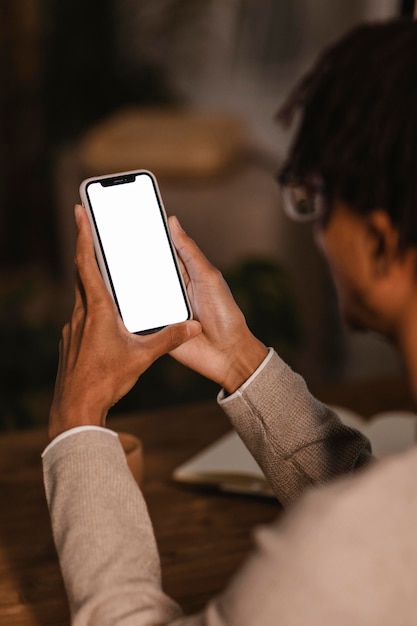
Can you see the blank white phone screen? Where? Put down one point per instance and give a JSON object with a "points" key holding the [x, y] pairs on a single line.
{"points": [[138, 255]]}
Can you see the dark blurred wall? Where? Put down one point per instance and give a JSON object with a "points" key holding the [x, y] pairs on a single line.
{"points": [[26, 220], [59, 72], [84, 76]]}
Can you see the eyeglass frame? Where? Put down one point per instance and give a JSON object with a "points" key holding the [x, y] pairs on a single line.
{"points": [[311, 190]]}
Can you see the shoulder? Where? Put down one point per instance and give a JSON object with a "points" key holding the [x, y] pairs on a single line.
{"points": [[369, 491], [356, 535], [370, 512]]}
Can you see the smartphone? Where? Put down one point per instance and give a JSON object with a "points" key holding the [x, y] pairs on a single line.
{"points": [[134, 250]]}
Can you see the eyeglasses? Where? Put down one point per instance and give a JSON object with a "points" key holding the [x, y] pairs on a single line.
{"points": [[303, 201]]}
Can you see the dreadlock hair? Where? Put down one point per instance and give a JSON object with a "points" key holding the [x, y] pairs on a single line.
{"points": [[358, 123]]}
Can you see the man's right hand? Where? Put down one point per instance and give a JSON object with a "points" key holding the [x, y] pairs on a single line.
{"points": [[225, 351]]}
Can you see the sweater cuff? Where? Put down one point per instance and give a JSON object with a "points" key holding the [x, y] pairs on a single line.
{"points": [[74, 431], [223, 397]]}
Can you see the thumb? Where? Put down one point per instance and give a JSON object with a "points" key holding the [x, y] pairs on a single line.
{"points": [[171, 337]]}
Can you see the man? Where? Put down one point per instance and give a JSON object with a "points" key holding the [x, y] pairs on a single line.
{"points": [[344, 553]]}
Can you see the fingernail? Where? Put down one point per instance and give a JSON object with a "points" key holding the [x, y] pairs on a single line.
{"points": [[194, 327], [77, 211], [177, 223]]}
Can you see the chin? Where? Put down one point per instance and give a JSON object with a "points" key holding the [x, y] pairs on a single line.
{"points": [[357, 324], [354, 322], [351, 321]]}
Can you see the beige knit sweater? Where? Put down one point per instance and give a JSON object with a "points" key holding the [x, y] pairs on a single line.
{"points": [[344, 555]]}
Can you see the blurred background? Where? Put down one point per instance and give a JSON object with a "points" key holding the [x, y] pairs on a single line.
{"points": [[189, 90]]}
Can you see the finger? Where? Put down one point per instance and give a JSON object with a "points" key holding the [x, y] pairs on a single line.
{"points": [[184, 272], [63, 349], [79, 313], [78, 294], [194, 260], [61, 356], [85, 258]]}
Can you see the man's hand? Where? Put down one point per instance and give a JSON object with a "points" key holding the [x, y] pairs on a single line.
{"points": [[100, 360], [225, 351]]}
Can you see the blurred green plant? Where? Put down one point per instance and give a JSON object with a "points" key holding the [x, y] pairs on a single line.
{"points": [[262, 289]]}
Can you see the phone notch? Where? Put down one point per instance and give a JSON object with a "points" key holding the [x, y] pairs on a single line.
{"points": [[118, 180]]}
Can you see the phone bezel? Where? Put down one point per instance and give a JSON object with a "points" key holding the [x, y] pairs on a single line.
{"points": [[124, 178]]}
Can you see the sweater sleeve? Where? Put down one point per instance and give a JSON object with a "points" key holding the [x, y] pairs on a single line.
{"points": [[303, 569], [106, 545], [297, 440], [103, 534]]}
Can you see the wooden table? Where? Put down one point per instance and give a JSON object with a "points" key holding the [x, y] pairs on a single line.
{"points": [[192, 527], [202, 536]]}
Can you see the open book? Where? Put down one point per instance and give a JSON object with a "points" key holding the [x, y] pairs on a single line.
{"points": [[227, 465]]}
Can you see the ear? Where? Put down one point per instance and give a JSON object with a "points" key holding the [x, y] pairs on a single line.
{"points": [[383, 240]]}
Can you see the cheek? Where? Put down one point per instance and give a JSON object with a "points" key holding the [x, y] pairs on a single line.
{"points": [[334, 249], [351, 295], [346, 271], [340, 248], [346, 286], [356, 305]]}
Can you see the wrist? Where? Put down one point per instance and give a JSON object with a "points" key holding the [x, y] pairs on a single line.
{"points": [[61, 420], [244, 362]]}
